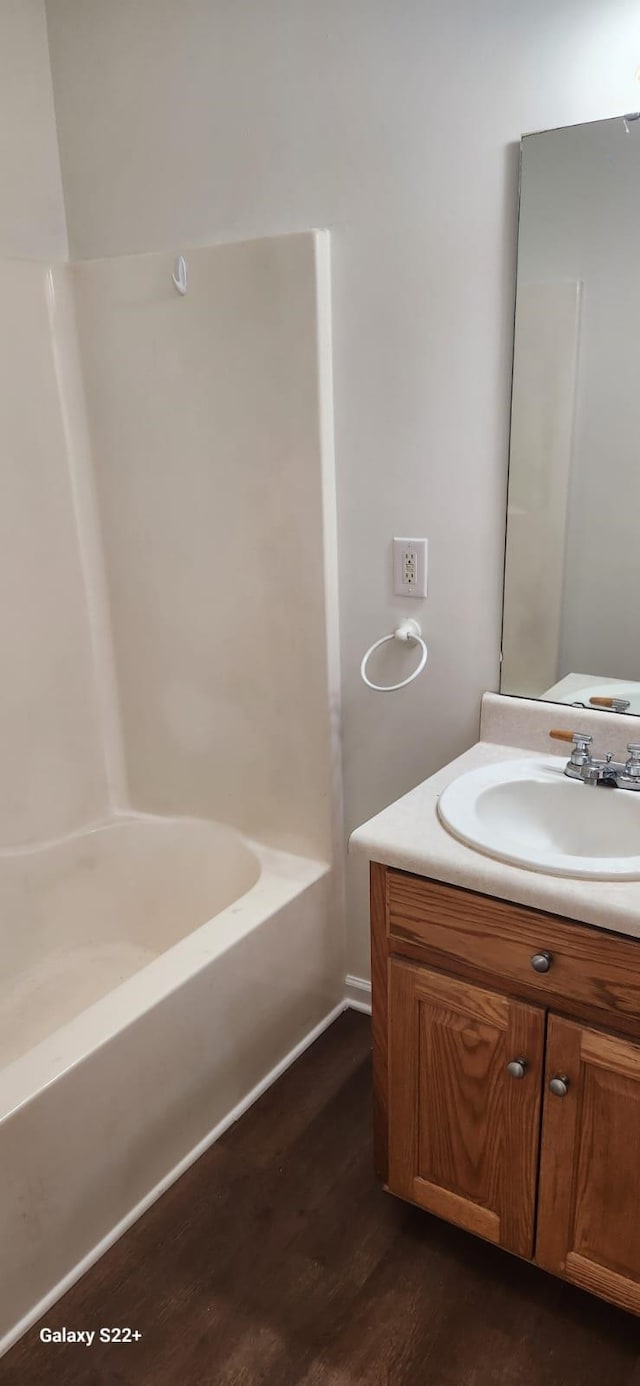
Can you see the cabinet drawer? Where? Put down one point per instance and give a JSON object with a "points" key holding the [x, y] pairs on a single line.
{"points": [[452, 926]]}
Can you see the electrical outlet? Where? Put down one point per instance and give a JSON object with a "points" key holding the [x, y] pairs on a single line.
{"points": [[410, 567]]}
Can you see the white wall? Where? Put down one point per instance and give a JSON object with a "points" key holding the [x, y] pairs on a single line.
{"points": [[395, 125], [32, 218], [580, 218]]}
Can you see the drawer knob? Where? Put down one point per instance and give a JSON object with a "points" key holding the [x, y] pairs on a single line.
{"points": [[541, 962], [559, 1085], [517, 1068]]}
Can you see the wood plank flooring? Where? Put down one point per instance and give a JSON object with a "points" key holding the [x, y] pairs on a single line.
{"points": [[278, 1259]]}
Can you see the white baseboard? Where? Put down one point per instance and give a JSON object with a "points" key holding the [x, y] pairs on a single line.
{"points": [[357, 994], [123, 1226]]}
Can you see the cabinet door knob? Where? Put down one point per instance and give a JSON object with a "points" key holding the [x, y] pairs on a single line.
{"points": [[517, 1068], [559, 1085], [541, 962]]}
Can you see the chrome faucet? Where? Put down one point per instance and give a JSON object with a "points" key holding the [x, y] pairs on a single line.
{"points": [[595, 770]]}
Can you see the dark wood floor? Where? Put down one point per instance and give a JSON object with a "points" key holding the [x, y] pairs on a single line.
{"points": [[277, 1259]]}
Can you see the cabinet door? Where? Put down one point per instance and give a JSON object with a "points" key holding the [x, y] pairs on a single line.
{"points": [[589, 1207], [464, 1132]]}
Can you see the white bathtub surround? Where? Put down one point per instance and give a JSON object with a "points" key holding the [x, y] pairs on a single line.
{"points": [[81, 481], [410, 836], [53, 774], [205, 414], [170, 828]]}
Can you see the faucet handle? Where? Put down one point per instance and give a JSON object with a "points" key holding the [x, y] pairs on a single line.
{"points": [[580, 754], [632, 766], [580, 739]]}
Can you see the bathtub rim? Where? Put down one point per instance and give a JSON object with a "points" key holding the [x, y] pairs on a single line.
{"points": [[283, 875]]}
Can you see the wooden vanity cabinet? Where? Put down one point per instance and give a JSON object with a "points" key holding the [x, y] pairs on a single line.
{"points": [[463, 1142], [505, 1100], [589, 1195]]}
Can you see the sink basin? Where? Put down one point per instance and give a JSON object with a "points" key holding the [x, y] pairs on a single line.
{"points": [[528, 812]]}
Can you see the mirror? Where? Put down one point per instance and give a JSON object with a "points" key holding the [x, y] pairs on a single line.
{"points": [[571, 623]]}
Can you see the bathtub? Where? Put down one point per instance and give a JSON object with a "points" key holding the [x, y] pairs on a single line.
{"points": [[157, 974]]}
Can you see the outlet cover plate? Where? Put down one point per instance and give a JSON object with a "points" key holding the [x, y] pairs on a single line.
{"points": [[410, 567]]}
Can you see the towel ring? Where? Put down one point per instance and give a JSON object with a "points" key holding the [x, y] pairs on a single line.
{"points": [[407, 631], [179, 275]]}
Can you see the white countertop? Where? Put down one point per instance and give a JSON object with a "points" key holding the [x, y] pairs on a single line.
{"points": [[409, 835]]}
